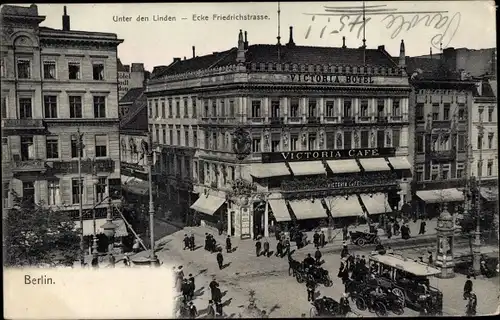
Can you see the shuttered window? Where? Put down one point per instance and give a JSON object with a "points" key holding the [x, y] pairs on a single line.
{"points": [[101, 145]]}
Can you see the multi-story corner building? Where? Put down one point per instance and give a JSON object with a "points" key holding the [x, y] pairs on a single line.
{"points": [[130, 78], [54, 84], [443, 102], [284, 134]]}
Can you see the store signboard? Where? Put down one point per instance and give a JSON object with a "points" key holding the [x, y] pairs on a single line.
{"points": [[245, 224]]}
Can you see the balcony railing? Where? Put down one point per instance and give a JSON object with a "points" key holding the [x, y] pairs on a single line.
{"points": [[396, 118], [133, 166], [23, 124], [71, 167], [331, 118], [256, 119], [348, 119], [364, 118], [294, 119], [276, 120], [313, 119], [28, 165], [382, 119], [441, 124], [443, 155]]}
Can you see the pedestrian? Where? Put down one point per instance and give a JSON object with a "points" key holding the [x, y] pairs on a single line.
{"points": [[207, 241], [136, 247], [322, 239], [219, 227], [192, 244], [345, 250], [311, 288], [266, 248], [213, 244], [210, 309], [309, 261], [405, 232], [263, 314], [363, 261], [316, 239], [186, 242], [185, 289], [345, 232], [213, 284], [422, 227], [472, 305], [317, 256], [192, 287], [395, 228], [220, 259], [218, 308], [430, 258], [344, 304], [193, 313], [228, 244], [257, 247], [179, 276], [279, 249], [389, 231], [287, 250], [467, 288], [95, 262]]}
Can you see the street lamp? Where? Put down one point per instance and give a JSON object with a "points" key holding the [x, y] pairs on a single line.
{"points": [[109, 228], [79, 148], [95, 183], [477, 233]]}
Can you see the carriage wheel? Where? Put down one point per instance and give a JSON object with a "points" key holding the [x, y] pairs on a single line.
{"points": [[360, 303], [328, 283], [360, 242], [401, 296], [314, 312], [380, 309], [376, 240], [398, 309]]}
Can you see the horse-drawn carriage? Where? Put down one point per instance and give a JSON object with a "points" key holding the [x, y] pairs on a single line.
{"points": [[365, 296], [361, 238], [302, 273], [328, 307]]}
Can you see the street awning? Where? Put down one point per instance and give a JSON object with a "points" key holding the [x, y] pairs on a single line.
{"points": [[374, 164], [307, 209], [304, 168], [279, 208], [207, 204], [88, 227], [137, 186], [399, 163], [342, 207], [441, 195], [489, 194], [343, 166], [266, 170], [376, 204]]}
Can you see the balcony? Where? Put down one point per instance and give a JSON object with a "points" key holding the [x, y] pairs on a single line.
{"points": [[441, 124], [397, 118], [313, 119], [30, 165], [331, 118], [294, 119], [364, 118], [276, 120], [443, 155], [348, 120], [256, 119], [71, 167], [133, 166], [23, 124], [381, 119]]}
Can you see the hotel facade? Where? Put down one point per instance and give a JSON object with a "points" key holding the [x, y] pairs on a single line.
{"points": [[283, 135], [55, 82]]}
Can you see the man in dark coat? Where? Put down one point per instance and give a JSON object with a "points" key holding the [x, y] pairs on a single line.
{"points": [[192, 242], [317, 256], [218, 300], [213, 284], [192, 287], [309, 261], [193, 312], [286, 247], [467, 288], [220, 259], [322, 239], [316, 239], [395, 228], [95, 262], [207, 241], [405, 232], [345, 251], [186, 242], [311, 288], [219, 227], [266, 248], [422, 227], [472, 305], [279, 249], [343, 271], [210, 309], [228, 244], [185, 289], [388, 231], [258, 246], [345, 233], [344, 304], [213, 244]]}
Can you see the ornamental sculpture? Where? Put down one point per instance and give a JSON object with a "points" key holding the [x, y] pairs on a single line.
{"points": [[388, 138], [242, 187], [304, 138], [356, 139], [242, 143], [285, 139], [321, 138], [372, 139], [266, 140]]}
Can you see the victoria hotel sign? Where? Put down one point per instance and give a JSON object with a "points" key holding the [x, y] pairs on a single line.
{"points": [[331, 78]]}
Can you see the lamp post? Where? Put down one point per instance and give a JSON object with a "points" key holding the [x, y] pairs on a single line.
{"points": [[477, 233], [79, 148], [95, 181], [109, 228], [152, 257]]}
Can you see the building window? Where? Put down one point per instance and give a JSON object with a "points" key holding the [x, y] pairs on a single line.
{"points": [[74, 148], [446, 111], [177, 108], [206, 112], [100, 107], [256, 109], [101, 145], [52, 146], [215, 140], [256, 145], [54, 192], [460, 170], [157, 134], [434, 176], [312, 108], [396, 134], [419, 111], [49, 69], [347, 139], [490, 168], [193, 106], [27, 148], [185, 107], [214, 108], [275, 145], [75, 107], [164, 134], [207, 142], [311, 141], [380, 108], [490, 140], [4, 107], [171, 136], [100, 189], [479, 168], [396, 108], [420, 143], [294, 141], [294, 107], [74, 70], [419, 176], [480, 115], [75, 191], [231, 108], [461, 114], [157, 113], [275, 109], [163, 112], [364, 139], [195, 138], [435, 111], [490, 115], [363, 108], [461, 142], [178, 137], [98, 71], [23, 69], [2, 67], [186, 138], [479, 142], [330, 108], [222, 108], [445, 172], [25, 108], [50, 106], [29, 191], [347, 108], [5, 194]]}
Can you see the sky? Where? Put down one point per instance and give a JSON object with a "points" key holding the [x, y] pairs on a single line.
{"points": [[421, 24]]}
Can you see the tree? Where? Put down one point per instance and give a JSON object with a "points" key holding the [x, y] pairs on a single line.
{"points": [[37, 235]]}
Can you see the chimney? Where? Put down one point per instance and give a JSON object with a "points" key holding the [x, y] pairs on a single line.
{"points": [[290, 41], [381, 48], [430, 52], [402, 56], [65, 20], [177, 60], [194, 52], [240, 56], [245, 43], [343, 43]]}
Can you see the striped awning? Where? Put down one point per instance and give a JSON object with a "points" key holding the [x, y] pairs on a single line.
{"points": [[88, 227], [308, 209], [376, 204], [279, 208], [374, 164], [441, 195], [342, 207], [266, 170], [305, 168], [343, 166], [207, 204], [399, 163]]}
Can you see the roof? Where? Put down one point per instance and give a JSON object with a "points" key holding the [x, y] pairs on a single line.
{"points": [[20, 11], [267, 53], [137, 119], [408, 265], [132, 95], [120, 67], [79, 32]]}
